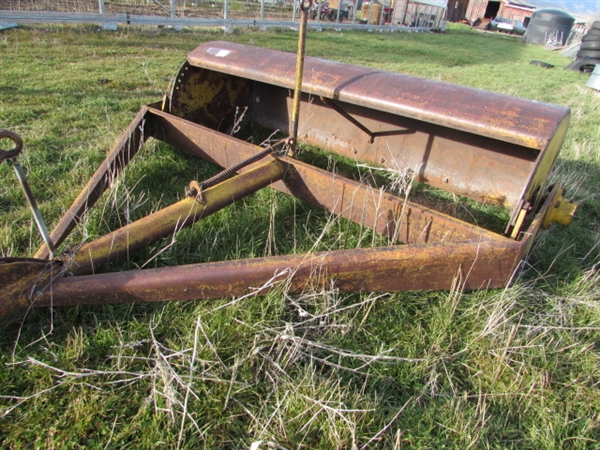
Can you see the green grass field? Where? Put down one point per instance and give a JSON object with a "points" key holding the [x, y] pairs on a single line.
{"points": [[512, 368]]}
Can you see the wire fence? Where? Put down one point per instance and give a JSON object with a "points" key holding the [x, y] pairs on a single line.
{"points": [[180, 8], [201, 12]]}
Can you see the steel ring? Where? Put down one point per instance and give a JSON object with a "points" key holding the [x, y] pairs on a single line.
{"points": [[5, 154]]}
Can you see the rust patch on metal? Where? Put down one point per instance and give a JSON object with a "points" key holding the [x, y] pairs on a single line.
{"points": [[23, 280], [488, 147]]}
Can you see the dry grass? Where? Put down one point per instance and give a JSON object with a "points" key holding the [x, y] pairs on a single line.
{"points": [[517, 367]]}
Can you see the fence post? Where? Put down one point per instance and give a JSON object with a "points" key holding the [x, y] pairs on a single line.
{"points": [[262, 9], [101, 6], [173, 8], [225, 9]]}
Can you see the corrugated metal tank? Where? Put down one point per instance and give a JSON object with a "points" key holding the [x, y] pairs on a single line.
{"points": [[549, 25]]}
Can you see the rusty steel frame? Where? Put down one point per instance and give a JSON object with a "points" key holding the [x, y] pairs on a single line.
{"points": [[439, 249], [482, 145], [449, 148]]}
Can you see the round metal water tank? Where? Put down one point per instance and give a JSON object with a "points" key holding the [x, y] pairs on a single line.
{"points": [[549, 26]]}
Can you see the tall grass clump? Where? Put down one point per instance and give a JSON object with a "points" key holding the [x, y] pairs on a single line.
{"points": [[508, 368]]}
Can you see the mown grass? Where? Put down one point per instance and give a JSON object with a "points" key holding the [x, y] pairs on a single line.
{"points": [[508, 368]]}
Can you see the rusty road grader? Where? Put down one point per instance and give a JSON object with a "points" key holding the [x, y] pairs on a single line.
{"points": [[493, 148]]}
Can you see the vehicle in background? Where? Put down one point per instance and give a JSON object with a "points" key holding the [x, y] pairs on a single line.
{"points": [[505, 25]]}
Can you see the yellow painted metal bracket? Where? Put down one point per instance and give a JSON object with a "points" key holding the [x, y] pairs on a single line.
{"points": [[560, 211]]}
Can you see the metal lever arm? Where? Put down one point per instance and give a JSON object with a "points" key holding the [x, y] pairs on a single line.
{"points": [[304, 9], [20, 172]]}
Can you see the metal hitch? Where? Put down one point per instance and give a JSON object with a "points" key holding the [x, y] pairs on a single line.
{"points": [[481, 146]]}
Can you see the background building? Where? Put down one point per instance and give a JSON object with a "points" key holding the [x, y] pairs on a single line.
{"points": [[486, 10]]}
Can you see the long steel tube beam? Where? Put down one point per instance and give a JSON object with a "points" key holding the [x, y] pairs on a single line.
{"points": [[460, 265], [170, 220], [466, 265]]}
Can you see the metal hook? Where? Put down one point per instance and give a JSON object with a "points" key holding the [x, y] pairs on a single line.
{"points": [[305, 5], [6, 154]]}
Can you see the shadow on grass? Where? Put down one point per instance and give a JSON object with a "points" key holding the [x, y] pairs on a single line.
{"points": [[561, 254]]}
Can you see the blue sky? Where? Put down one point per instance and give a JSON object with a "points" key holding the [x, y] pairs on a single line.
{"points": [[590, 7]]}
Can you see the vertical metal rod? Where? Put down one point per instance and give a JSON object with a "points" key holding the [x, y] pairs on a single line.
{"points": [[39, 221], [101, 6], [304, 9], [173, 8]]}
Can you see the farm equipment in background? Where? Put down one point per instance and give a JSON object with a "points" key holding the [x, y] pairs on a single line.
{"points": [[375, 12], [328, 11], [494, 149]]}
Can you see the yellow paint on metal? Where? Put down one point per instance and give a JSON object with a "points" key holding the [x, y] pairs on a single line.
{"points": [[519, 223], [21, 281], [546, 161], [167, 221], [561, 210], [207, 96]]}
